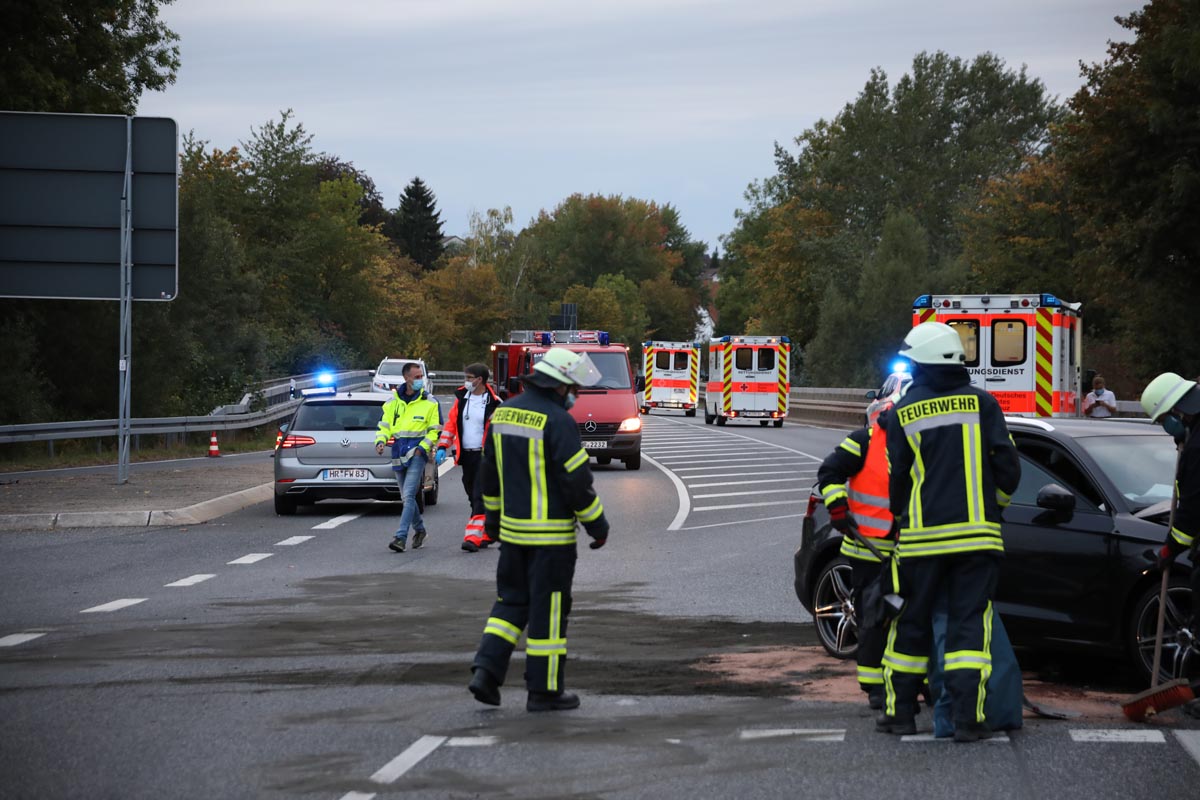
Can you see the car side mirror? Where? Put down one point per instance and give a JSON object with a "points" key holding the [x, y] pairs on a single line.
{"points": [[871, 395], [514, 384], [1056, 499], [371, 372], [640, 384], [430, 375]]}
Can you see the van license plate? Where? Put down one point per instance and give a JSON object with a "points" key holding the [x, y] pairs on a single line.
{"points": [[595, 445], [346, 474]]}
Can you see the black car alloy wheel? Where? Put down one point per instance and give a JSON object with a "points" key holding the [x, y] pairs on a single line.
{"points": [[1180, 650], [833, 610]]}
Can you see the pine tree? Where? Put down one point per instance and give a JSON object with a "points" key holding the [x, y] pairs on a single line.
{"points": [[416, 226]]}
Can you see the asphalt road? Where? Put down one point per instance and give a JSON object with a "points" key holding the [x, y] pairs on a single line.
{"points": [[323, 665]]}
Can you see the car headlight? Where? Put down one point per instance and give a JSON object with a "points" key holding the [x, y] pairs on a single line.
{"points": [[631, 425]]}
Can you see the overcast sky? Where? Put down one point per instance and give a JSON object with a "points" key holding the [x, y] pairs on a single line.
{"points": [[524, 102]]}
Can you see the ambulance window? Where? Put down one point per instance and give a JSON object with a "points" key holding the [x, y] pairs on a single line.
{"points": [[662, 360], [681, 360], [766, 358], [1008, 342], [743, 358], [968, 331]]}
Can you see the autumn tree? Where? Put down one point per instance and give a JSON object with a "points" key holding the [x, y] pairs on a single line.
{"points": [[416, 226]]}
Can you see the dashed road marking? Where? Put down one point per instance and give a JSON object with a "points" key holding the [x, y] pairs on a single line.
{"points": [[471, 741], [250, 558], [777, 458], [807, 734], [741, 483], [14, 639], [1124, 736], [747, 493], [734, 474], [190, 580], [1191, 742], [330, 524], [291, 540], [750, 505], [115, 605], [391, 771]]}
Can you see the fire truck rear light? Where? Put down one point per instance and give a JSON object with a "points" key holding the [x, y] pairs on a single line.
{"points": [[296, 441]]}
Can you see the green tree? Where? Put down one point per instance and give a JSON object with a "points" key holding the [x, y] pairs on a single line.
{"points": [[1132, 156], [416, 226], [84, 56]]}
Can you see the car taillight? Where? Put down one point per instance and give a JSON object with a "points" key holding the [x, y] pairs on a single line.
{"points": [[296, 441], [813, 500]]}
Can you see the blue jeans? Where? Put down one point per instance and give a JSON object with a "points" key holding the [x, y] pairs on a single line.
{"points": [[410, 479]]}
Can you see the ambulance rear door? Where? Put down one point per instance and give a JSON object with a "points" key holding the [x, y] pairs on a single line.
{"points": [[1000, 356], [672, 382], [753, 377]]}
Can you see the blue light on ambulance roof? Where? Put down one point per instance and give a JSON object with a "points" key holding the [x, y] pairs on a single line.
{"points": [[603, 337], [325, 378], [924, 301], [1050, 300], [785, 340], [900, 365]]}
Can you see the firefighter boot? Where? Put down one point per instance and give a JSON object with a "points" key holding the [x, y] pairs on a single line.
{"points": [[971, 731], [547, 701], [484, 686], [897, 725], [875, 697]]}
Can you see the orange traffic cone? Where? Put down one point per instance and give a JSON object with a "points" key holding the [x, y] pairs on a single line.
{"points": [[213, 450]]}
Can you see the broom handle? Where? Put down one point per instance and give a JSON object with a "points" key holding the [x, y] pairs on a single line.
{"points": [[1166, 574]]}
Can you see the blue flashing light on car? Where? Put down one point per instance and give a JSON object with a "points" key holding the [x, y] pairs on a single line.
{"points": [[325, 378], [1049, 300], [924, 301], [900, 365]]}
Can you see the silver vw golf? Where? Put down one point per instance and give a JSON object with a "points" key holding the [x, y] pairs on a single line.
{"points": [[327, 451]]}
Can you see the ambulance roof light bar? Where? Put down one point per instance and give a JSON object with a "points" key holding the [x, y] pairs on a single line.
{"points": [[747, 339]]}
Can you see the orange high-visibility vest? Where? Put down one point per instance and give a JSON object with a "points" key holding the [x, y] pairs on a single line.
{"points": [[868, 489]]}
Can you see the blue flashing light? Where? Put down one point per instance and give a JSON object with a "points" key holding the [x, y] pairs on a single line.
{"points": [[924, 301], [547, 338], [785, 340], [900, 365], [725, 339], [321, 391], [603, 337], [325, 378], [1050, 300], [648, 343]]}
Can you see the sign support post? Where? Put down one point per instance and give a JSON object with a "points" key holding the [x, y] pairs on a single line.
{"points": [[126, 336]]}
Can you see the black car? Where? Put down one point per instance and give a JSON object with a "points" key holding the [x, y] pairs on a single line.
{"points": [[1080, 542]]}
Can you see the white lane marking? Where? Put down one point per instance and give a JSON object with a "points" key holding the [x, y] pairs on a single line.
{"points": [[744, 493], [330, 524], [738, 459], [734, 474], [1117, 735], [685, 503], [447, 466], [115, 605], [291, 540], [471, 741], [14, 639], [752, 505], [692, 448], [358, 796], [250, 558], [741, 483], [190, 580], [740, 522], [402, 763], [1191, 742], [808, 734], [723, 464], [997, 736], [767, 444]]}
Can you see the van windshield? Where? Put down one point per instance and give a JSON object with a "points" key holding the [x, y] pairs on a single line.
{"points": [[614, 370]]}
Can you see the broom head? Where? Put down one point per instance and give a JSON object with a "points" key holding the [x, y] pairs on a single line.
{"points": [[1157, 699]]}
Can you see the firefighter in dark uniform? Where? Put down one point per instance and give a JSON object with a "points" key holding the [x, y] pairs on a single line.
{"points": [[853, 480], [954, 468], [536, 487]]}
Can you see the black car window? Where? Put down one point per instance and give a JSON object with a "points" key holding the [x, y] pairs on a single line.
{"points": [[1033, 478], [1062, 469]]}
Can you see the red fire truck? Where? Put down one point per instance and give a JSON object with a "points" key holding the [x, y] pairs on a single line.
{"points": [[607, 413]]}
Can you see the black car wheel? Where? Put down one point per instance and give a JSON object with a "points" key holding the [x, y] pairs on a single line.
{"points": [[284, 505], [778, 423], [1180, 659], [833, 609], [691, 412], [721, 420], [709, 418], [634, 461]]}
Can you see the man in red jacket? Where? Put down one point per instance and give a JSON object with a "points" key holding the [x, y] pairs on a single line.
{"points": [[468, 423]]}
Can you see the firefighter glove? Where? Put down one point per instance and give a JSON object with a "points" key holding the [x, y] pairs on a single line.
{"points": [[839, 516], [441, 455], [1166, 556]]}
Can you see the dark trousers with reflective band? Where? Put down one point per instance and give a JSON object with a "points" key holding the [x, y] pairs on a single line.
{"points": [[967, 581], [533, 584], [470, 461], [870, 640]]}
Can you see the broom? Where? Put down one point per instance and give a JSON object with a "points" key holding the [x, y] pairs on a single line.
{"points": [[1174, 693]]}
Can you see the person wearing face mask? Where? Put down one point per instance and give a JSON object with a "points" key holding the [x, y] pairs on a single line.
{"points": [[468, 424], [536, 487], [411, 420], [1174, 402]]}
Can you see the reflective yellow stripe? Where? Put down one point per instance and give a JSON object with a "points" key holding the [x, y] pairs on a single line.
{"points": [[535, 525], [537, 479], [968, 545], [901, 662], [1181, 537], [852, 447], [536, 539], [502, 628], [591, 513], [917, 474], [576, 461], [833, 492], [871, 676], [852, 549], [491, 503]]}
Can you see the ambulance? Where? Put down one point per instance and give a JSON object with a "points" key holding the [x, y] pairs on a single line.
{"points": [[672, 375], [1025, 349], [607, 413], [748, 379]]}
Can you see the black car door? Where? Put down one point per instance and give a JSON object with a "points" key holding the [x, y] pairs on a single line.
{"points": [[1058, 566]]}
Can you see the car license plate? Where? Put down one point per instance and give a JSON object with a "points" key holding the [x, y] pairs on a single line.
{"points": [[595, 445], [347, 474]]}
